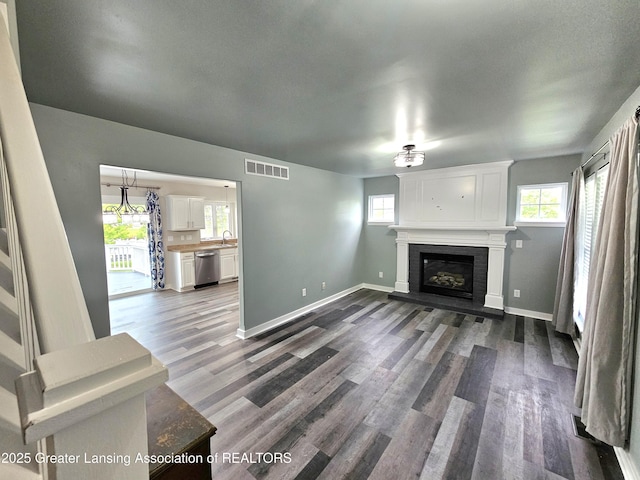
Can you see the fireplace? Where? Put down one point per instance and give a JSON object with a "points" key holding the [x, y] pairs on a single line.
{"points": [[463, 206], [449, 271], [447, 274]]}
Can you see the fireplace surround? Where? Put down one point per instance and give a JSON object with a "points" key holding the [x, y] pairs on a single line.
{"points": [[487, 298]]}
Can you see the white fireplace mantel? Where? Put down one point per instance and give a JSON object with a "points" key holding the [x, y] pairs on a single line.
{"points": [[492, 237]]}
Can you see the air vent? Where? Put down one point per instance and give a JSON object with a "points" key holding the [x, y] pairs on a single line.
{"points": [[252, 167]]}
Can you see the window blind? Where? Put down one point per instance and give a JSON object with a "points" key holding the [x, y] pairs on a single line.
{"points": [[594, 197]]}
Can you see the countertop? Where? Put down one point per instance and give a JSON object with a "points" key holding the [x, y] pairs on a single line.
{"points": [[196, 247]]}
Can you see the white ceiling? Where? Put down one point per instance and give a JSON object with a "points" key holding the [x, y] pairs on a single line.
{"points": [[343, 84]]}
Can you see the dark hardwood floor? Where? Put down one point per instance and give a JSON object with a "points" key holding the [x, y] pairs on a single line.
{"points": [[368, 387]]}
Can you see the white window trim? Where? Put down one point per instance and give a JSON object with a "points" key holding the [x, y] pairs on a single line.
{"points": [[538, 222], [369, 209]]}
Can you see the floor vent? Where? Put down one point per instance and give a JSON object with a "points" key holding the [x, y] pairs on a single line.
{"points": [[253, 167]]}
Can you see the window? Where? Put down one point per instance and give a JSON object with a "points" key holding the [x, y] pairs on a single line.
{"points": [[542, 204], [381, 209], [590, 209], [217, 219]]}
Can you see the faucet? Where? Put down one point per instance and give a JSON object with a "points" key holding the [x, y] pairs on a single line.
{"points": [[226, 231]]}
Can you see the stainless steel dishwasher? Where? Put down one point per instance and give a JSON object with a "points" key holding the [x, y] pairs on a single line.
{"points": [[207, 267]]}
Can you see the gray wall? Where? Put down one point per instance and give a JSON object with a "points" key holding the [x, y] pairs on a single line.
{"points": [[378, 241], [533, 269], [294, 234]]}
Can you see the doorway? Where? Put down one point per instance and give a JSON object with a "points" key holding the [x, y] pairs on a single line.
{"points": [[126, 249], [124, 226], [221, 200]]}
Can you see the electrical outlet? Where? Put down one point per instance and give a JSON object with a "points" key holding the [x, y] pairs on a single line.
{"points": [[304, 292], [380, 275], [516, 293], [324, 285]]}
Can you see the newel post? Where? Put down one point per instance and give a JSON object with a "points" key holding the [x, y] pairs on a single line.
{"points": [[89, 402]]}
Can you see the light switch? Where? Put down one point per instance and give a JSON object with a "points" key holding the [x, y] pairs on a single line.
{"points": [[518, 243]]}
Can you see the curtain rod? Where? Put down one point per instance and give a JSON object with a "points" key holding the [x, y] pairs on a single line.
{"points": [[595, 154], [148, 187]]}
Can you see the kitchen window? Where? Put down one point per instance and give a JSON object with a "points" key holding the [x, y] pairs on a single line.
{"points": [[218, 217]]}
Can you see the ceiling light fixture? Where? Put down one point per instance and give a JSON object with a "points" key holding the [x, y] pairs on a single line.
{"points": [[408, 158], [226, 199], [125, 212]]}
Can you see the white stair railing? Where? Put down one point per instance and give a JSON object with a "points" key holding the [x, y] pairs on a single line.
{"points": [[80, 397], [18, 346], [38, 220]]}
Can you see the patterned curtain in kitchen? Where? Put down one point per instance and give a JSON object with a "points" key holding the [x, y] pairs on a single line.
{"points": [[156, 245]]}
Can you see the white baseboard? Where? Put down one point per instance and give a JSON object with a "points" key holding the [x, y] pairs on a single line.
{"points": [[287, 317], [380, 288], [627, 465], [529, 313]]}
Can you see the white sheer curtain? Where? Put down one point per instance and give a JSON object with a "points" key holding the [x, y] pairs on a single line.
{"points": [[590, 211], [568, 273], [603, 386]]}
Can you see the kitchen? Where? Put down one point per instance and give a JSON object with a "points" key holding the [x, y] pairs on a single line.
{"points": [[198, 224], [210, 255]]}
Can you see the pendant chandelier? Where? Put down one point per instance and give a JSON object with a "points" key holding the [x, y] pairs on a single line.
{"points": [[125, 212], [408, 158]]}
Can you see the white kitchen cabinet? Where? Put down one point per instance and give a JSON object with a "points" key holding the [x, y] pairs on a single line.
{"points": [[184, 213], [180, 270], [187, 270], [228, 263]]}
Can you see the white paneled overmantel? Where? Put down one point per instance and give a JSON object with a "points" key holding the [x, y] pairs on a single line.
{"points": [[470, 195], [461, 206]]}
